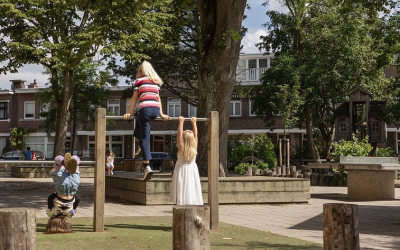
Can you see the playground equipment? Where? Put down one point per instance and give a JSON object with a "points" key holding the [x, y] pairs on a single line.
{"points": [[99, 176]]}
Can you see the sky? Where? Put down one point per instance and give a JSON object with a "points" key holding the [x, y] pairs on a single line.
{"points": [[255, 18]]}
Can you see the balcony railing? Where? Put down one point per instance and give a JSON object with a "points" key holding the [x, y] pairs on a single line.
{"points": [[250, 75]]}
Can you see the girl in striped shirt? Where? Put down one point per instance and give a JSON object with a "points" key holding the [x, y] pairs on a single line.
{"points": [[146, 92]]}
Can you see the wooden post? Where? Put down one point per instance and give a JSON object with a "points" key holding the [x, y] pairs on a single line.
{"points": [[99, 174], [341, 227], [287, 153], [213, 169], [280, 152], [18, 228], [191, 228]]}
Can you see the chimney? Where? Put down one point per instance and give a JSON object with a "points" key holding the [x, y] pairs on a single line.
{"points": [[33, 85], [17, 84]]}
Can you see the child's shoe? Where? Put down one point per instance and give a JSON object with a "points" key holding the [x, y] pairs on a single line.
{"points": [[67, 162], [73, 164], [148, 173]]}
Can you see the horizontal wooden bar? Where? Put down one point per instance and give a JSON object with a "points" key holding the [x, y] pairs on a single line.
{"points": [[158, 118]]}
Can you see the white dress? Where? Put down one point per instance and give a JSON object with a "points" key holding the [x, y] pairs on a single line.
{"points": [[186, 187]]}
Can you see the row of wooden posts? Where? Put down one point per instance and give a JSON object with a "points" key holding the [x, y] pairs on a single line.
{"points": [[191, 224]]}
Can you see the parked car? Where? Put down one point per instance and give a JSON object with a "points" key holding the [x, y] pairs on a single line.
{"points": [[19, 155], [157, 159]]}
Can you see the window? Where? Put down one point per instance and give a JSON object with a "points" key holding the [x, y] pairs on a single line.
{"points": [[3, 110], [343, 127], [115, 143], [374, 126], [251, 112], [174, 107], [29, 110], [192, 111], [235, 108], [44, 109], [113, 106], [263, 63]]}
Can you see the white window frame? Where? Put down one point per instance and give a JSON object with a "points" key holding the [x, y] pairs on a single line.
{"points": [[174, 103], [250, 109], [112, 106], [234, 108], [189, 110], [25, 107]]}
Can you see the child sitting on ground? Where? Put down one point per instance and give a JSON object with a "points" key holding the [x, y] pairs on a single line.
{"points": [[66, 178]]}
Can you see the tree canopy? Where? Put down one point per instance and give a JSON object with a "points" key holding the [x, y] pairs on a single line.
{"points": [[60, 34], [322, 50]]}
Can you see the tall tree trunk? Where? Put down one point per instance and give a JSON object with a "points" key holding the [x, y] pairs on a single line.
{"points": [[63, 113], [219, 47], [309, 131]]}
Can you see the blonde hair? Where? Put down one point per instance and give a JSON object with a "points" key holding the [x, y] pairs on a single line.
{"points": [[145, 69], [189, 145]]}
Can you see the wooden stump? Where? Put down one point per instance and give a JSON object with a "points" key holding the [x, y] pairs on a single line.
{"points": [[341, 227], [17, 228], [191, 227], [58, 225]]}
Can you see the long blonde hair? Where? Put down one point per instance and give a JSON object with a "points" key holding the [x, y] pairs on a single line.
{"points": [[145, 69], [189, 145]]}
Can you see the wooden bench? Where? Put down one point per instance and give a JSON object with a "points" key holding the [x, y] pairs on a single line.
{"points": [[370, 178]]}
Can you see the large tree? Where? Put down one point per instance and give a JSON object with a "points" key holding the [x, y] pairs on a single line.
{"points": [[219, 47], [60, 34], [322, 50]]}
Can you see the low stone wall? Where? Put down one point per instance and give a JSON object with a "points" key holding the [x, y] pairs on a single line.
{"points": [[45, 171], [232, 190]]}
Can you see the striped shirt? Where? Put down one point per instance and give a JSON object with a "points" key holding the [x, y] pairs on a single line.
{"points": [[148, 92]]}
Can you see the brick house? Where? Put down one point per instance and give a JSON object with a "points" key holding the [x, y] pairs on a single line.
{"points": [[19, 107]]}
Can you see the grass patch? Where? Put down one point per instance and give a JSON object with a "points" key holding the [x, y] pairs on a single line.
{"points": [[156, 233]]}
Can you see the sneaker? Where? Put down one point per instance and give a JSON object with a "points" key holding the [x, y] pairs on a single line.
{"points": [[112, 173], [73, 165], [67, 161], [148, 173]]}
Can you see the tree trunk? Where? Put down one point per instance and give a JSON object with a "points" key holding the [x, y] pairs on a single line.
{"points": [[17, 228], [219, 47], [63, 113], [309, 131], [341, 227]]}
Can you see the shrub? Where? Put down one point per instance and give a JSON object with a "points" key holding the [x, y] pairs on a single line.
{"points": [[260, 147], [242, 167], [385, 152], [351, 148]]}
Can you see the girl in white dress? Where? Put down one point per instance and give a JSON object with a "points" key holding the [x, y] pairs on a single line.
{"points": [[186, 187]]}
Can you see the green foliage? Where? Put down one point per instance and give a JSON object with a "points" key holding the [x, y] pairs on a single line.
{"points": [[263, 165], [322, 49], [385, 152], [17, 137], [351, 148], [260, 147], [242, 167]]}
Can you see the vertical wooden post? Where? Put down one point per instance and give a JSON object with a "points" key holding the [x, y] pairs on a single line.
{"points": [[280, 152], [341, 227], [213, 169], [18, 228], [99, 174], [287, 153], [191, 228]]}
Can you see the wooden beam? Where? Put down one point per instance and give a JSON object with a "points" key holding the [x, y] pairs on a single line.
{"points": [[99, 174], [213, 169]]}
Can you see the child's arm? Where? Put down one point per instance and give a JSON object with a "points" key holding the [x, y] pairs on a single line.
{"points": [[133, 102], [194, 127], [164, 117], [181, 119]]}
